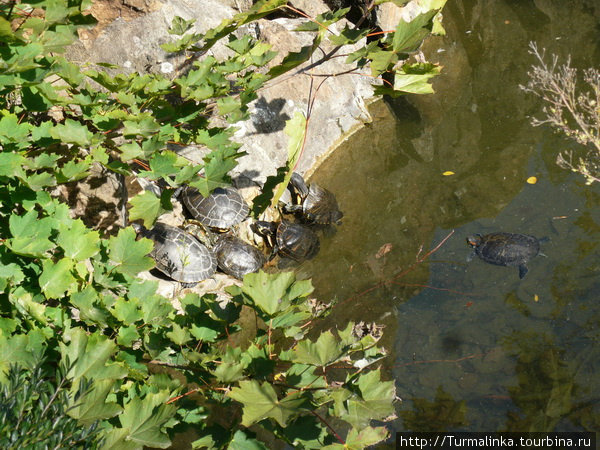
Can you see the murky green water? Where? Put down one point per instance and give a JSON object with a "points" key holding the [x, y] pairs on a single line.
{"points": [[473, 346]]}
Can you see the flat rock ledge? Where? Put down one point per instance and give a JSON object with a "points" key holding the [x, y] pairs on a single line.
{"points": [[133, 43]]}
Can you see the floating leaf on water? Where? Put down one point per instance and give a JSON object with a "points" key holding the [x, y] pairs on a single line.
{"points": [[447, 173], [532, 180]]}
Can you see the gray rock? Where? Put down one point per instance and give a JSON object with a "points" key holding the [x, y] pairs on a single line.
{"points": [[339, 101]]}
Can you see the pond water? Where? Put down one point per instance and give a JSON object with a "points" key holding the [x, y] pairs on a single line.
{"points": [[473, 347]]}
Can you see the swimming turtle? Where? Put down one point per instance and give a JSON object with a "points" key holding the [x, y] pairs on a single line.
{"points": [[506, 249], [236, 257], [221, 210], [313, 203], [178, 254], [290, 240]]}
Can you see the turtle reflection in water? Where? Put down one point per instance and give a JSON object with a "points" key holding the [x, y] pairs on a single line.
{"points": [[506, 249], [178, 254]]}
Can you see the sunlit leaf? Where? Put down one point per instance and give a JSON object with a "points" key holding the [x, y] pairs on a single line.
{"points": [[90, 356], [324, 351], [128, 254], [260, 402], [145, 206], [376, 400], [72, 132], [57, 279], [144, 419], [267, 291], [295, 129], [361, 438], [77, 241]]}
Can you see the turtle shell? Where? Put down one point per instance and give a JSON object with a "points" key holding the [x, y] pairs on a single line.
{"points": [[237, 258], [506, 249], [222, 209], [296, 241], [179, 255], [319, 205]]}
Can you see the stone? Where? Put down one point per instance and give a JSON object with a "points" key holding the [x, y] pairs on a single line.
{"points": [[133, 43]]}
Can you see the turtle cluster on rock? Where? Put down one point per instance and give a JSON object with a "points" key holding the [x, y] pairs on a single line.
{"points": [[194, 252], [314, 207]]}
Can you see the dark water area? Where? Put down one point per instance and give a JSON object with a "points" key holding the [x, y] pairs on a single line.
{"points": [[472, 346]]}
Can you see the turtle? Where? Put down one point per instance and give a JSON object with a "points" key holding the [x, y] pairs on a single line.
{"points": [[314, 204], [221, 210], [290, 240], [236, 257], [178, 254], [506, 249]]}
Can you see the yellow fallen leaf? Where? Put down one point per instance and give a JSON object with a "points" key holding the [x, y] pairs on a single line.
{"points": [[448, 173], [536, 298], [532, 180]]}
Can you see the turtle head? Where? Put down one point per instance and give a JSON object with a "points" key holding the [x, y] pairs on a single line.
{"points": [[268, 230], [298, 187], [336, 217], [474, 240], [264, 228]]}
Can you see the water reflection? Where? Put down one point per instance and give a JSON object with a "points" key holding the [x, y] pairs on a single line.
{"points": [[474, 347]]}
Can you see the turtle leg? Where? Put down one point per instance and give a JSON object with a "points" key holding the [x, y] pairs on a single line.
{"points": [[522, 270], [471, 256], [188, 285]]}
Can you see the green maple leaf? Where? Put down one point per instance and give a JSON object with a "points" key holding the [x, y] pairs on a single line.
{"points": [[358, 440], [13, 131], [92, 405], [144, 419], [268, 291], [129, 254], [414, 83], [15, 350], [146, 206], [324, 351], [11, 165], [409, 35], [376, 400], [241, 441], [127, 311], [72, 132], [57, 278], [260, 402], [295, 128], [30, 234], [78, 242], [145, 126], [89, 355]]}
